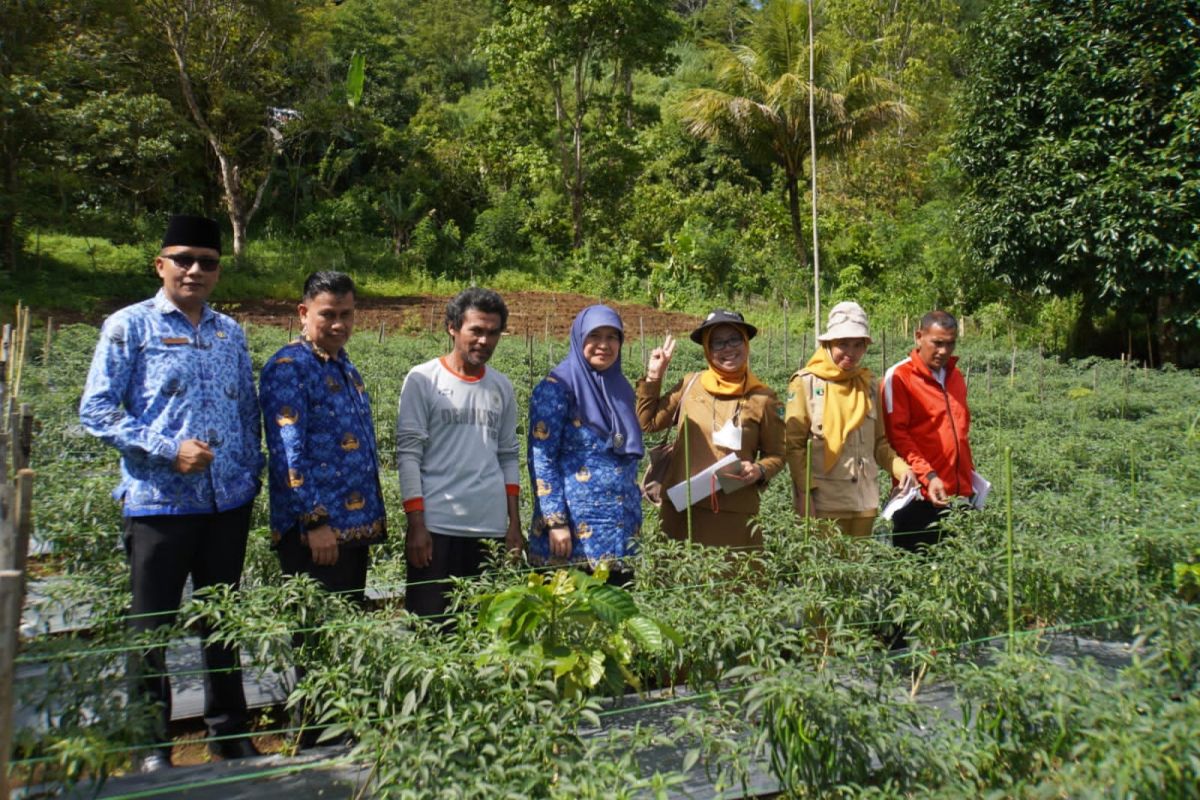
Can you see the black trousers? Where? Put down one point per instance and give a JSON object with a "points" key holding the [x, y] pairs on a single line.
{"points": [[428, 588], [917, 525], [162, 552], [348, 577]]}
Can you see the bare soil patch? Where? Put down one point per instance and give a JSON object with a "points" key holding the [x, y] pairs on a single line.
{"points": [[536, 313]]}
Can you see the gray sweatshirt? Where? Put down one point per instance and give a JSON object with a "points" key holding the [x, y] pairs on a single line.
{"points": [[456, 446]]}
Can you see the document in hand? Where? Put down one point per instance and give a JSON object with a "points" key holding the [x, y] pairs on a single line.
{"points": [[980, 489], [900, 501], [703, 483]]}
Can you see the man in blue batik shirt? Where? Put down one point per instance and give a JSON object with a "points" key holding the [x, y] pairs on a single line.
{"points": [[172, 389], [326, 502]]}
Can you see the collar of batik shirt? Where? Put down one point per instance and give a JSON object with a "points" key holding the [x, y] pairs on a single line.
{"points": [[321, 352]]}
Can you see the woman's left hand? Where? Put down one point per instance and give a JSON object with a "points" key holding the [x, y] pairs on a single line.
{"points": [[751, 471], [560, 542]]}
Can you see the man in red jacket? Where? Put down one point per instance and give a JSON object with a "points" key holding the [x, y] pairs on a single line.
{"points": [[927, 422]]}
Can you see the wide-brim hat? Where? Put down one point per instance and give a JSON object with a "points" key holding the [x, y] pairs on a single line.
{"points": [[722, 316], [847, 320]]}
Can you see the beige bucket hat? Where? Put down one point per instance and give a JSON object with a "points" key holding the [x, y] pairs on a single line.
{"points": [[847, 320]]}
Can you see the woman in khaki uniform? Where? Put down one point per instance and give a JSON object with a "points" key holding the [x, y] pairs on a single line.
{"points": [[724, 409], [834, 424]]}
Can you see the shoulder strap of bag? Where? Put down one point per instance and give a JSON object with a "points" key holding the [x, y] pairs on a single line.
{"points": [[679, 408]]}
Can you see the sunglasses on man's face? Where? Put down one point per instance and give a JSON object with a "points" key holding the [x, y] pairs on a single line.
{"points": [[185, 261]]}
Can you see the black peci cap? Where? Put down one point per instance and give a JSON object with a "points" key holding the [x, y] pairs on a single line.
{"points": [[188, 231], [722, 316]]}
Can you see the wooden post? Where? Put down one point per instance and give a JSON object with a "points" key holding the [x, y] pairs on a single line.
{"points": [[1041, 370], [642, 339], [1149, 348], [291, 321], [549, 365], [24, 438], [382, 330], [787, 364], [529, 349], [46, 342], [18, 523], [7, 346], [10, 622]]}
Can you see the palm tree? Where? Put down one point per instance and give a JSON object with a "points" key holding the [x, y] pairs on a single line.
{"points": [[760, 105]]}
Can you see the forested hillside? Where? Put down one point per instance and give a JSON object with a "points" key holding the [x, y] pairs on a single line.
{"points": [[1021, 160]]}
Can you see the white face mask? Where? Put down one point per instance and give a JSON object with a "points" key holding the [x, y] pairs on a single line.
{"points": [[729, 436]]}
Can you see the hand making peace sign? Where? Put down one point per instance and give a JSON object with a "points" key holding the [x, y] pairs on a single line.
{"points": [[660, 359]]}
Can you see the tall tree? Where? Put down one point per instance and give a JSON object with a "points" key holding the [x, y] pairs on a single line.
{"points": [[1080, 145], [759, 106], [25, 103], [581, 56], [230, 61]]}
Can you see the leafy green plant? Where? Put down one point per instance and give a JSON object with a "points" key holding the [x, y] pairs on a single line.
{"points": [[574, 625]]}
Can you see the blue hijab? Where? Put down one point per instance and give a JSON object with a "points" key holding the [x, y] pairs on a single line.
{"points": [[604, 401]]}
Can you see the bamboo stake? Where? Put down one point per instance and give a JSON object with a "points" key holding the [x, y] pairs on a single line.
{"points": [[21, 521], [382, 330], [1008, 508], [529, 349], [807, 486], [21, 343], [291, 322], [548, 360], [687, 464], [1012, 369]]}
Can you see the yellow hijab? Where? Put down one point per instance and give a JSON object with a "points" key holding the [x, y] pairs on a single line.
{"points": [[728, 384], [847, 400]]}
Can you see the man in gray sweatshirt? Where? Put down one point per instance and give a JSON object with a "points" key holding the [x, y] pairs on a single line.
{"points": [[456, 442]]}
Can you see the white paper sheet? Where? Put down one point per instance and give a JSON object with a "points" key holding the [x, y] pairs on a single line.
{"points": [[900, 501], [980, 489], [702, 484]]}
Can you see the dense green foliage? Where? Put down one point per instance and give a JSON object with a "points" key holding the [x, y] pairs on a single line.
{"points": [[969, 152], [461, 150], [1080, 148], [787, 649]]}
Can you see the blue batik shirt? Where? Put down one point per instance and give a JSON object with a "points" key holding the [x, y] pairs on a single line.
{"points": [[323, 464], [579, 482], [156, 381]]}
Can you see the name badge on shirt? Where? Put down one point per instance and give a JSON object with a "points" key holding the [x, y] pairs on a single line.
{"points": [[729, 436], [175, 340]]}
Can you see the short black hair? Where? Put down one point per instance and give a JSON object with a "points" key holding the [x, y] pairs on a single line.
{"points": [[484, 300], [941, 319], [335, 283]]}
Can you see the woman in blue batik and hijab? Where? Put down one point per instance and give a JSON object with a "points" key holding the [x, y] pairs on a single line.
{"points": [[584, 447]]}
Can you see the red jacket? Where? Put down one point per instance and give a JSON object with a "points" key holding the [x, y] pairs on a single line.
{"points": [[927, 425]]}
